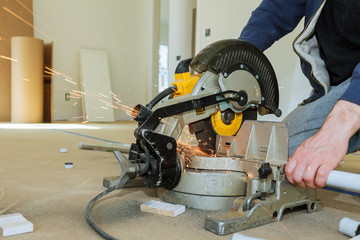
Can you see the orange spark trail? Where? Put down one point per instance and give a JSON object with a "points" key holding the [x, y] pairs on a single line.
{"points": [[31, 12], [67, 78], [128, 110], [24, 21], [103, 95], [8, 58]]}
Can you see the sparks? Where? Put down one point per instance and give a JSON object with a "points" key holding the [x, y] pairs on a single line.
{"points": [[8, 58], [67, 78], [127, 110], [117, 99], [75, 91], [103, 95], [31, 12], [26, 22], [60, 87], [48, 72], [72, 82]]}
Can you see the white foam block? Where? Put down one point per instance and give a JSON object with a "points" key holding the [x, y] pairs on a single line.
{"points": [[161, 208], [149, 206], [12, 224], [238, 236], [63, 150]]}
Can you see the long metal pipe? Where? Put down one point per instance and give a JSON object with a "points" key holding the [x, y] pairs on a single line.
{"points": [[109, 147], [344, 180]]}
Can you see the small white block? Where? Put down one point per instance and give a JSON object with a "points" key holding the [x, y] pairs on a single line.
{"points": [[179, 209], [63, 150], [161, 208], [149, 206], [238, 236], [12, 224]]}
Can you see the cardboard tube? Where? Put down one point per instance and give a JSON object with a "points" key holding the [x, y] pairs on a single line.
{"points": [[27, 84]]}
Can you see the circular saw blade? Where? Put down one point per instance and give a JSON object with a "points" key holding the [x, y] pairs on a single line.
{"points": [[250, 67], [206, 133], [221, 55]]}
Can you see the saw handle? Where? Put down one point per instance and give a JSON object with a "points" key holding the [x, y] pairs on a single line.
{"points": [[278, 112], [160, 96]]}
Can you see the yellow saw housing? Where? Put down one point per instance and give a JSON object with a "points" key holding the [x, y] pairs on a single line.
{"points": [[185, 83]]}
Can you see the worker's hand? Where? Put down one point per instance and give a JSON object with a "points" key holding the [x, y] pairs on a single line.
{"points": [[313, 160]]}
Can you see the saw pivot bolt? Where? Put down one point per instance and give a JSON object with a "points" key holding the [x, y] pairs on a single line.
{"points": [[227, 116], [265, 170], [169, 146], [242, 98], [278, 112]]}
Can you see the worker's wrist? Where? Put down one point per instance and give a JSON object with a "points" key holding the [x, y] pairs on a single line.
{"points": [[344, 119]]}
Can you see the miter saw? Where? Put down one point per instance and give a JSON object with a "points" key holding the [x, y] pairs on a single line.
{"points": [[240, 171]]}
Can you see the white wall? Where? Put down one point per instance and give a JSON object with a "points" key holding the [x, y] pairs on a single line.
{"points": [[121, 27], [226, 19], [180, 32], [125, 29], [164, 21]]}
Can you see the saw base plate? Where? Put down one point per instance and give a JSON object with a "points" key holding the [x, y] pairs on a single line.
{"points": [[208, 184]]}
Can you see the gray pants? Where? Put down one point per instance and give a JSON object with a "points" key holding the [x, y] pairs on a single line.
{"points": [[304, 121]]}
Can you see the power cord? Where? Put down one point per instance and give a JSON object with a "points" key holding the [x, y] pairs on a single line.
{"points": [[91, 221], [93, 201]]}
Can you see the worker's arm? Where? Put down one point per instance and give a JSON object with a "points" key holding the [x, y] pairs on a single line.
{"points": [[313, 160], [352, 93], [272, 20]]}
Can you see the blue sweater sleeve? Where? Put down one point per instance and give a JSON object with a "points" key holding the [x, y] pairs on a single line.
{"points": [[272, 20], [352, 93]]}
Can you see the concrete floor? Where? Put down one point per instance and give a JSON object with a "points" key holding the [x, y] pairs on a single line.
{"points": [[33, 182]]}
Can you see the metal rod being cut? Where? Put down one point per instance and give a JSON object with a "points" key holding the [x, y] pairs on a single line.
{"points": [[109, 147]]}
